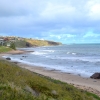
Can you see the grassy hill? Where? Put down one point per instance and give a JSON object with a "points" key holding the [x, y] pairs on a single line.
{"points": [[20, 84], [26, 42], [4, 49], [34, 42]]}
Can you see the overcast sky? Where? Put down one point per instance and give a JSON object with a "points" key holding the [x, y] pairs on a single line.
{"points": [[66, 21]]}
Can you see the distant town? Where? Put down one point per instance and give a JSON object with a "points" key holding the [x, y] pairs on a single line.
{"points": [[24, 42], [6, 40]]}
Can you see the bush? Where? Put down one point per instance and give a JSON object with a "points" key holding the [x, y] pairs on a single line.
{"points": [[12, 45]]}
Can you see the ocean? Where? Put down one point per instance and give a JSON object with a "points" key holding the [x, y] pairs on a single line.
{"points": [[78, 59]]}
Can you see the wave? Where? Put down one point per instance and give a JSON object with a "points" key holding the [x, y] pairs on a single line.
{"points": [[73, 53], [49, 50], [43, 52], [19, 60], [73, 70], [38, 53], [79, 59]]}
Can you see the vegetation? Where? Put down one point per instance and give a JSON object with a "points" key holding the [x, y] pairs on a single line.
{"points": [[4, 49], [20, 43], [12, 45], [35, 42], [26, 42], [20, 84]]}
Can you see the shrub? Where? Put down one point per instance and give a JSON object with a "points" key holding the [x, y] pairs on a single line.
{"points": [[12, 45]]}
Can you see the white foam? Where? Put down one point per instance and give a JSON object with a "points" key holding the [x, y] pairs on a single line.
{"points": [[74, 70], [74, 53], [4, 56], [38, 53], [87, 59], [49, 50]]}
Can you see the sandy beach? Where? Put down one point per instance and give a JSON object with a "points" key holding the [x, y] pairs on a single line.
{"points": [[88, 84]]}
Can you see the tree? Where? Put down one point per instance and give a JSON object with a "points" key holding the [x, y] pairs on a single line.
{"points": [[12, 45]]}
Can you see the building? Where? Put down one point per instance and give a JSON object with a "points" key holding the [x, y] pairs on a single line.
{"points": [[2, 42]]}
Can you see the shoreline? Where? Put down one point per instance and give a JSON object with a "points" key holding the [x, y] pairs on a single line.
{"points": [[88, 84]]}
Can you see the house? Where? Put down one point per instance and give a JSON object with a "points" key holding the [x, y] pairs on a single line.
{"points": [[2, 42], [6, 41]]}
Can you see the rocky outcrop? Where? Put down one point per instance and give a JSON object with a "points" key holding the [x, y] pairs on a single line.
{"points": [[53, 43], [95, 76], [8, 58], [28, 44]]}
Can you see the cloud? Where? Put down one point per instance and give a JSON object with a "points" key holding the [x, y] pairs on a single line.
{"points": [[54, 10], [61, 37], [93, 7], [10, 8], [91, 35], [55, 36], [62, 20]]}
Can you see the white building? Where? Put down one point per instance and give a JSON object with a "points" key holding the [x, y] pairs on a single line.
{"points": [[1, 41]]}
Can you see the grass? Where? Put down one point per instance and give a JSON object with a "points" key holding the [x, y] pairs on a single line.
{"points": [[20, 43], [20, 84], [4, 49], [91, 94], [34, 42]]}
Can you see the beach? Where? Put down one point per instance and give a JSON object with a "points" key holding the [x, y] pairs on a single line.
{"points": [[88, 84]]}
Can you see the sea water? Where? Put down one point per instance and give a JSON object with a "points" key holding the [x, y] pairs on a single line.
{"points": [[82, 59]]}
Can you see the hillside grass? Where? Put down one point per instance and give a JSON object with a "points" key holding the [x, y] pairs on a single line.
{"points": [[36, 42], [20, 43], [4, 49], [20, 84]]}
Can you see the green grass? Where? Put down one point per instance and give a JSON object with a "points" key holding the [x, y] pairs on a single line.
{"points": [[4, 49], [20, 84], [91, 94], [20, 43]]}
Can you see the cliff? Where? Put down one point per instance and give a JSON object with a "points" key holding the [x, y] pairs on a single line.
{"points": [[34, 42]]}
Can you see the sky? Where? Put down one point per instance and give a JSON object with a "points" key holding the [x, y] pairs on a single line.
{"points": [[66, 21]]}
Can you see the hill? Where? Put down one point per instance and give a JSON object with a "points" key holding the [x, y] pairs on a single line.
{"points": [[26, 42], [35, 42]]}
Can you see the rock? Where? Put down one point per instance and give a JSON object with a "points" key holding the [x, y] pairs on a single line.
{"points": [[24, 56], [54, 92], [15, 62], [8, 58], [29, 89], [95, 76], [28, 44]]}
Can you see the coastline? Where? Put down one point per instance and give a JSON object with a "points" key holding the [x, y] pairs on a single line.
{"points": [[88, 84]]}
